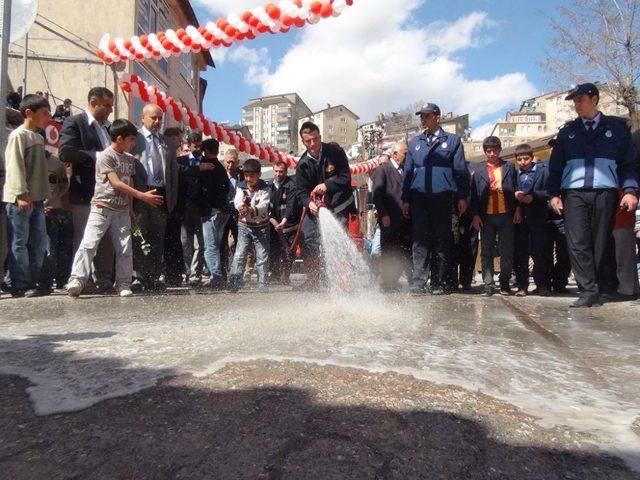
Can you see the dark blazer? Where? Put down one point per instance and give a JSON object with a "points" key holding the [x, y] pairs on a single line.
{"points": [[79, 143], [188, 176], [212, 188], [284, 203], [169, 164], [387, 193], [536, 212], [332, 170], [480, 190]]}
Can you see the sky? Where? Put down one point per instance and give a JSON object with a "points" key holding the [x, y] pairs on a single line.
{"points": [[480, 57]]}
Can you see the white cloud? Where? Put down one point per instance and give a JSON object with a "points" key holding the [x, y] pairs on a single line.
{"points": [[482, 131], [374, 58]]}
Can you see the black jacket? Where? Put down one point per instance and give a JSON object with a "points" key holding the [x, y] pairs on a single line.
{"points": [[387, 193], [188, 178], [537, 212], [480, 190], [285, 203], [212, 189], [332, 170], [79, 143]]}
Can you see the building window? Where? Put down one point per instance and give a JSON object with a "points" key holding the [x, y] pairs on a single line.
{"points": [[153, 15], [186, 68]]}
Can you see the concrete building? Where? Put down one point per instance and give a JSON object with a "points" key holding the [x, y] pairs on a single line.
{"points": [[274, 120], [520, 127], [63, 40], [458, 124], [336, 123]]}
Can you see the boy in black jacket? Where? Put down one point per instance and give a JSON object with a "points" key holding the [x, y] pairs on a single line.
{"points": [[213, 187]]}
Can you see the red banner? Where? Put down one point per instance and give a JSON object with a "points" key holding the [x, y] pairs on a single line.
{"points": [[53, 136]]}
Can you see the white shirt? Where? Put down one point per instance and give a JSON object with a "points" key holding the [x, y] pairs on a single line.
{"points": [[396, 166], [595, 119], [319, 154], [148, 138], [101, 129]]}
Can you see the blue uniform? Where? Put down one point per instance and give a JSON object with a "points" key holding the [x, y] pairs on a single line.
{"points": [[437, 167], [600, 159]]}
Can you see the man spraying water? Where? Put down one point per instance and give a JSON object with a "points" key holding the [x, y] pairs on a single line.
{"points": [[323, 179]]}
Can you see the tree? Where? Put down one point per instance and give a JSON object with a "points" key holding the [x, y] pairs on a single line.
{"points": [[599, 40]]}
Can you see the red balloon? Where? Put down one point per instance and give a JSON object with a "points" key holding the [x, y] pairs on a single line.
{"points": [[181, 32], [250, 35], [144, 40], [187, 40], [315, 7], [273, 11], [229, 30], [326, 10], [299, 22], [126, 86], [253, 21], [167, 44], [100, 54], [240, 36], [112, 46]]}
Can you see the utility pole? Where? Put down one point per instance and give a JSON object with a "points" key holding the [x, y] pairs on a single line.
{"points": [[24, 64], [5, 29]]}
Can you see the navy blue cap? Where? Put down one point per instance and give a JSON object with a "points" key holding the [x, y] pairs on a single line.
{"points": [[429, 108], [583, 89]]}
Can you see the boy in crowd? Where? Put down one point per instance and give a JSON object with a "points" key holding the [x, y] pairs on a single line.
{"points": [[286, 211], [252, 203], [112, 210], [533, 234], [57, 263], [495, 211], [26, 188], [211, 197]]}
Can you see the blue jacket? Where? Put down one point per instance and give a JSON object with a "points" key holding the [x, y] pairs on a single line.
{"points": [[602, 159], [438, 168]]}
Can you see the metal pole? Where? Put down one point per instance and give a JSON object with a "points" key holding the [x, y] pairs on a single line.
{"points": [[24, 64], [5, 25]]}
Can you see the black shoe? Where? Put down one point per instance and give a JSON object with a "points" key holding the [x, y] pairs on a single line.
{"points": [[488, 291], [437, 291], [17, 293], [561, 290], [136, 286], [466, 288], [586, 302], [105, 288], [173, 282]]}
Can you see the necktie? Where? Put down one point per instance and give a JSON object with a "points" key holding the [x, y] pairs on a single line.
{"points": [[590, 125], [156, 161]]}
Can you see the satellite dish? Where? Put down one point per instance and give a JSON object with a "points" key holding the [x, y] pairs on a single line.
{"points": [[23, 14]]}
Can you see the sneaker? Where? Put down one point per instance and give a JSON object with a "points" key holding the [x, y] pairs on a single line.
{"points": [[521, 292], [125, 292], [74, 288]]}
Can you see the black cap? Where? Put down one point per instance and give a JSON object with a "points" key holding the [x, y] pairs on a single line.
{"points": [[583, 89], [429, 108]]}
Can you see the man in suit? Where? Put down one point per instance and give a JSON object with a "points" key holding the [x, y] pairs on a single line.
{"points": [[592, 159], [533, 234], [156, 168], [323, 170], [395, 229], [495, 211], [435, 177], [82, 136]]}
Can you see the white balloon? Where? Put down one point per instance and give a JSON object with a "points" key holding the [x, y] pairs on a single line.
{"points": [[313, 19]]}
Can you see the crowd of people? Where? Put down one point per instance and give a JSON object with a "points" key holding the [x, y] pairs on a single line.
{"points": [[123, 209]]}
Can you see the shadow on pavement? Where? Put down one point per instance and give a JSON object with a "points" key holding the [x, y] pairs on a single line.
{"points": [[182, 429]]}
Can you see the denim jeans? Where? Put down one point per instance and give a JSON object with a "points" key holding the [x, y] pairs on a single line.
{"points": [[28, 244], [57, 263], [212, 232], [117, 224], [260, 239]]}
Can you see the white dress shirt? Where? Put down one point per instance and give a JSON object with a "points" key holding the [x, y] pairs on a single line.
{"points": [[100, 128], [148, 138]]}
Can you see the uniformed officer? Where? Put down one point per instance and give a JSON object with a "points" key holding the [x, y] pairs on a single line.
{"points": [[284, 217], [323, 170], [435, 175], [592, 158]]}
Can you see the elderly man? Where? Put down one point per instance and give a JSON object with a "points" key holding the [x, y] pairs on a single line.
{"points": [[156, 168], [231, 164], [395, 229], [435, 175], [82, 136]]}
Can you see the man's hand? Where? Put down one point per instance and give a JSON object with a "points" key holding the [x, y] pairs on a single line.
{"points": [[320, 189], [629, 203], [207, 167], [557, 205], [523, 197], [280, 226], [244, 210], [25, 204], [517, 216], [406, 210], [151, 198], [462, 206], [386, 221], [274, 223], [313, 208], [477, 222]]}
